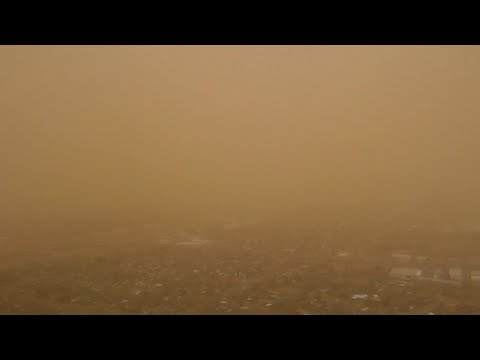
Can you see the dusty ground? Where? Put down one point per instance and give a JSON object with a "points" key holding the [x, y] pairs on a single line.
{"points": [[246, 271]]}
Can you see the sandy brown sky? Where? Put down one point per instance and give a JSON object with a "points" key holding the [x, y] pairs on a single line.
{"points": [[198, 130]]}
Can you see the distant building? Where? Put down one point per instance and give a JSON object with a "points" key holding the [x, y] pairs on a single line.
{"points": [[440, 274], [456, 274], [405, 273], [401, 257], [475, 276]]}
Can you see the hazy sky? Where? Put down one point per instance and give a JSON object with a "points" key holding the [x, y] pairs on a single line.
{"points": [[198, 130]]}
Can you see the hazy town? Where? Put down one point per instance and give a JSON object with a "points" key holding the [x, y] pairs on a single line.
{"points": [[295, 180], [244, 268]]}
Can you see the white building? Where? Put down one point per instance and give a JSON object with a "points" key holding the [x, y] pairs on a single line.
{"points": [[405, 273], [475, 276]]}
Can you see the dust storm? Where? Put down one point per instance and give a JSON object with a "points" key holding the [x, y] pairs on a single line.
{"points": [[239, 179]]}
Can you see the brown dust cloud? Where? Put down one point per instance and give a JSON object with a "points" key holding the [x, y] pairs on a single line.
{"points": [[239, 179]]}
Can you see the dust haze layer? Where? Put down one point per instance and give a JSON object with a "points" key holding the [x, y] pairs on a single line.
{"points": [[199, 133]]}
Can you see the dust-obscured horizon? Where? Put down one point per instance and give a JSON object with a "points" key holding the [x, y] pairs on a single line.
{"points": [[198, 135]]}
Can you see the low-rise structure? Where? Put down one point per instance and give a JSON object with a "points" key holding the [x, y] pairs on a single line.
{"points": [[456, 274], [475, 277], [405, 273], [401, 257]]}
